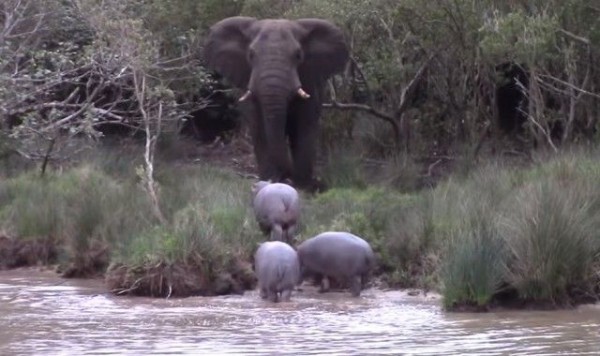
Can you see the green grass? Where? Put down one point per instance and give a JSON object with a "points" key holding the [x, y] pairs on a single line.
{"points": [[531, 234], [472, 271], [552, 241]]}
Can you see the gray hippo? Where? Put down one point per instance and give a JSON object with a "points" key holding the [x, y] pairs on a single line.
{"points": [[277, 268], [277, 209], [340, 255]]}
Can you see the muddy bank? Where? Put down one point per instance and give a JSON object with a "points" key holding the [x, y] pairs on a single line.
{"points": [[179, 279], [15, 253], [164, 280], [19, 253]]}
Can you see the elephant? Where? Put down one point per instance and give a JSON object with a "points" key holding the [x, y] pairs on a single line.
{"points": [[282, 65], [277, 269], [337, 254], [277, 209]]}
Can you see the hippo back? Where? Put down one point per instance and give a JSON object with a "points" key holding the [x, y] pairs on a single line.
{"points": [[336, 254], [277, 203], [277, 265]]}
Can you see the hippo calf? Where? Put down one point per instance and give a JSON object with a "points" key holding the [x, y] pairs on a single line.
{"points": [[340, 255], [277, 268], [277, 209]]}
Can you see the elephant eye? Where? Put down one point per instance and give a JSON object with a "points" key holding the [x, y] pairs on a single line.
{"points": [[251, 55], [298, 56]]}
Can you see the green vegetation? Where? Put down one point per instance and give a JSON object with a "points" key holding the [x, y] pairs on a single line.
{"points": [[498, 236], [90, 212], [523, 236], [512, 231]]}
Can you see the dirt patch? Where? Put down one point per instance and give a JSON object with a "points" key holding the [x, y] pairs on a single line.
{"points": [[237, 155], [15, 253], [178, 280]]}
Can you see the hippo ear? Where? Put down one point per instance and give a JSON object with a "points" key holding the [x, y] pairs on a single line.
{"points": [[255, 187]]}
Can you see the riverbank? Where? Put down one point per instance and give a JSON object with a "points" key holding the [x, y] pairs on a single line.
{"points": [[499, 236]]}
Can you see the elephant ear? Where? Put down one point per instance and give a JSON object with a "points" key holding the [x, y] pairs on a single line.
{"points": [[226, 47], [325, 49]]}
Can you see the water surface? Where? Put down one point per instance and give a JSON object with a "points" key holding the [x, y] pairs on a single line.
{"points": [[41, 314]]}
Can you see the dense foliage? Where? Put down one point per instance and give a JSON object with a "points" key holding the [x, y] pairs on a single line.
{"points": [[441, 72]]}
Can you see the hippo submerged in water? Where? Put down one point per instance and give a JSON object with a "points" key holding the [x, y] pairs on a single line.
{"points": [[340, 255], [277, 209], [278, 270]]}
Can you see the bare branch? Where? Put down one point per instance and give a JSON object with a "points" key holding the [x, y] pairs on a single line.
{"points": [[409, 89], [575, 37], [369, 109], [356, 67], [567, 84], [87, 104], [151, 138]]}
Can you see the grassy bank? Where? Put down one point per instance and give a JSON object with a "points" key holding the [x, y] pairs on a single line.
{"points": [[497, 236], [100, 220]]}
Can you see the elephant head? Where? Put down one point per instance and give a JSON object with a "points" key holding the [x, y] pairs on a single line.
{"points": [[282, 66]]}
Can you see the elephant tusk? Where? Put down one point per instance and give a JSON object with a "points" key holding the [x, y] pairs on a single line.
{"points": [[245, 96], [303, 94]]}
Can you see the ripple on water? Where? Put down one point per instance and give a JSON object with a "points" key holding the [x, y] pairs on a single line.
{"points": [[53, 316]]}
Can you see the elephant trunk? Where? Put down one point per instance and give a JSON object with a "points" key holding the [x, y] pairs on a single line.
{"points": [[274, 114], [273, 84]]}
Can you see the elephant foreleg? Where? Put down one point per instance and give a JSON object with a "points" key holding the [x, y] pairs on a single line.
{"points": [[259, 141], [303, 133]]}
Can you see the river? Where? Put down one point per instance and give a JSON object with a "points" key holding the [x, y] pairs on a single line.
{"points": [[42, 314]]}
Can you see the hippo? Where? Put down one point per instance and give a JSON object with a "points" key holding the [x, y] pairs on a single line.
{"points": [[277, 268], [337, 254], [277, 209]]}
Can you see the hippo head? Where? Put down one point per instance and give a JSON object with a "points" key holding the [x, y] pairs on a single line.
{"points": [[256, 187]]}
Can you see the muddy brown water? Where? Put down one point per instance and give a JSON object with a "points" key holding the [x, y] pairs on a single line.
{"points": [[41, 314]]}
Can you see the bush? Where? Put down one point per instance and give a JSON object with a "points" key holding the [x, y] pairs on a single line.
{"points": [[473, 271], [552, 242], [210, 233], [520, 237]]}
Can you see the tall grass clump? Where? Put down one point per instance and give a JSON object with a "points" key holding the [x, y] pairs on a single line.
{"points": [[205, 247], [343, 169], [31, 207], [552, 242], [520, 236], [465, 214], [472, 272], [72, 210]]}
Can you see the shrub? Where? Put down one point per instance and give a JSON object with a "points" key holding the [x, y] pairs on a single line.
{"points": [[552, 241], [472, 271]]}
